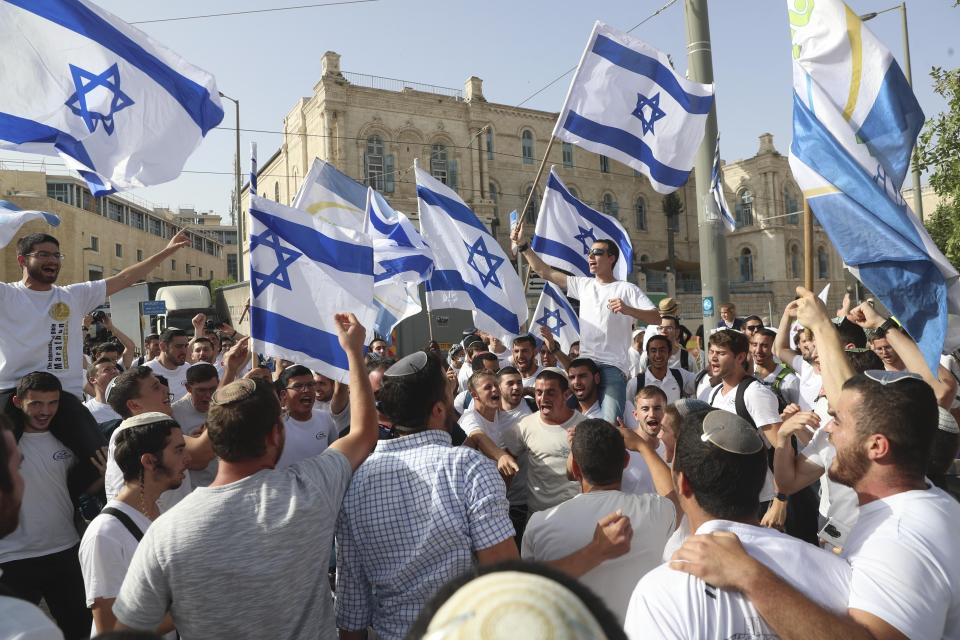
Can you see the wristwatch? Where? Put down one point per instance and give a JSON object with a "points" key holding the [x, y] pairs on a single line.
{"points": [[888, 324], [780, 497]]}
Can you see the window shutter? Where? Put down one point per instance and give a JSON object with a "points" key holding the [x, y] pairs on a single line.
{"points": [[366, 170], [452, 174], [388, 169]]}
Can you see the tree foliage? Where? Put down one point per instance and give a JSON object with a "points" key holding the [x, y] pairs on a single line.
{"points": [[938, 151]]}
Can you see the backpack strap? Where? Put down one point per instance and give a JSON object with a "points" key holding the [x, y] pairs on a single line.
{"points": [[125, 521], [679, 378], [684, 358], [739, 401], [700, 376], [778, 382]]}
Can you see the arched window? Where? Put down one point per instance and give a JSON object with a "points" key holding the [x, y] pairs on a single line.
{"points": [[746, 265], [795, 262], [791, 205], [534, 204], [276, 192], [641, 210], [567, 154], [644, 258], [609, 205], [744, 208], [823, 264], [604, 164], [489, 143], [526, 146], [438, 162], [375, 162]]}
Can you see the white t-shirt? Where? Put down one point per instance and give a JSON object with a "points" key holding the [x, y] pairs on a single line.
{"points": [[680, 606], [308, 438], [636, 475], [789, 386], [635, 362], [102, 412], [762, 406], [811, 383], [837, 501], [46, 514], [176, 377], [668, 385], [113, 480], [21, 620], [190, 421], [605, 335], [531, 380], [567, 527], [594, 411], [547, 450], [42, 331], [496, 430], [906, 563], [342, 419], [463, 376]]}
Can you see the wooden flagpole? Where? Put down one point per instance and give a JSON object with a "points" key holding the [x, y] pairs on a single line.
{"points": [[807, 246]]}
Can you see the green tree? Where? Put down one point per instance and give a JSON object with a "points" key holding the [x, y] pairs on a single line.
{"points": [[938, 151]]}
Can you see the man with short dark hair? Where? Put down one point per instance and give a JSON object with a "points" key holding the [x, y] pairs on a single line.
{"points": [[151, 349], [718, 470], [598, 458], [525, 358], [379, 348], [778, 377], [190, 412], [201, 350], [99, 375], [473, 345], [172, 362], [307, 432], [676, 382], [151, 453], [247, 556], [584, 375], [679, 357], [728, 317]]}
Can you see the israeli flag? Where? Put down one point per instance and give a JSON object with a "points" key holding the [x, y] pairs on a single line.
{"points": [[716, 191], [13, 217], [626, 102], [566, 228], [855, 121], [554, 313], [332, 196], [119, 108], [401, 260], [471, 271], [302, 272]]}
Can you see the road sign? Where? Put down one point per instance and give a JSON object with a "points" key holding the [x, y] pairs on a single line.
{"points": [[708, 307], [153, 307]]}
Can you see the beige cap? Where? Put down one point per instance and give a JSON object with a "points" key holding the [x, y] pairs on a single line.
{"points": [[669, 307]]}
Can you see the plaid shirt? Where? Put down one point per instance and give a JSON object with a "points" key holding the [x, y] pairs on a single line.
{"points": [[415, 513]]}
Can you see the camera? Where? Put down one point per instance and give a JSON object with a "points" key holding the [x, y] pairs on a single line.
{"points": [[211, 325], [99, 315]]}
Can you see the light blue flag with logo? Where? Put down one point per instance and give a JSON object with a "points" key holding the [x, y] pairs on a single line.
{"points": [[855, 122], [302, 272], [13, 217], [626, 102], [716, 191], [401, 260], [566, 229], [555, 314], [119, 108], [471, 270], [332, 196]]}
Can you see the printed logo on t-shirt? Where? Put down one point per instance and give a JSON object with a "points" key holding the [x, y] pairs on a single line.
{"points": [[755, 629], [57, 359], [321, 435], [62, 454]]}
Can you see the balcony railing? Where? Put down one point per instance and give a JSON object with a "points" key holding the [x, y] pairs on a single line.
{"points": [[395, 84]]}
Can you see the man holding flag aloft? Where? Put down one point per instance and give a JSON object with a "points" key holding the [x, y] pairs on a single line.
{"points": [[607, 309]]}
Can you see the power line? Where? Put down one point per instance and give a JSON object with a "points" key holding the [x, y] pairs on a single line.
{"points": [[243, 13]]}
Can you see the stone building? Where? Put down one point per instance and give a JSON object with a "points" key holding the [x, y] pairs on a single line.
{"points": [[373, 128], [102, 236]]}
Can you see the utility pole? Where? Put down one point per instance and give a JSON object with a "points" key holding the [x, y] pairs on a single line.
{"points": [[236, 168], [917, 199], [713, 249]]}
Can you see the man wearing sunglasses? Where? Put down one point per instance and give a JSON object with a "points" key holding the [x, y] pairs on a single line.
{"points": [[608, 308]]}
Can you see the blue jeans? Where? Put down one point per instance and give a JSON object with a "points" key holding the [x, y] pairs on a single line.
{"points": [[612, 392]]}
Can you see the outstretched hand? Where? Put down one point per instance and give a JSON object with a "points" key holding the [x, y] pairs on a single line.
{"points": [[179, 241], [350, 332], [866, 316], [810, 309]]}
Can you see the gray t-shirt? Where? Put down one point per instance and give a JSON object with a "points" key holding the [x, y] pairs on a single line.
{"points": [[245, 560]]}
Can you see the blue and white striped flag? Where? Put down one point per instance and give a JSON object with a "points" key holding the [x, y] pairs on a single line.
{"points": [[716, 190], [332, 196], [855, 121], [302, 272], [626, 102], [401, 260], [119, 108], [555, 313], [566, 228], [471, 271], [253, 168], [13, 217]]}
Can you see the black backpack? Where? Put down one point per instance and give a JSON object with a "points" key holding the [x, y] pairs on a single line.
{"points": [[642, 380], [739, 403]]}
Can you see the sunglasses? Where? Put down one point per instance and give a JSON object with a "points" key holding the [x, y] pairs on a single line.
{"points": [[753, 327], [598, 252]]}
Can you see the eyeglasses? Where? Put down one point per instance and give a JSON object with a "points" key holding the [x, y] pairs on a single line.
{"points": [[303, 386], [597, 252], [46, 255]]}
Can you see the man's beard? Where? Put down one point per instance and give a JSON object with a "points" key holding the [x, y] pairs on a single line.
{"points": [[164, 471], [849, 467], [38, 275]]}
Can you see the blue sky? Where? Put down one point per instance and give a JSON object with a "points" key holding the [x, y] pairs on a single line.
{"points": [[269, 60]]}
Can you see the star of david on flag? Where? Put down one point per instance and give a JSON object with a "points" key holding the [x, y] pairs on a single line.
{"points": [[79, 83], [556, 244], [470, 267], [556, 314], [627, 103], [302, 272]]}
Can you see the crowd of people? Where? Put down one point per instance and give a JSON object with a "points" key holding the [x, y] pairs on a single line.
{"points": [[755, 482]]}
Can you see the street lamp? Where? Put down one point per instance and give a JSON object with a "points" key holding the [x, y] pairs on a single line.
{"points": [[917, 200], [236, 170]]}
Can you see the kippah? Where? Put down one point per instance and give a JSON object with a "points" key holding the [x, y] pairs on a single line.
{"points": [[110, 385], [408, 365], [686, 406], [239, 390], [143, 419], [556, 370], [514, 604], [947, 422], [471, 339], [731, 433]]}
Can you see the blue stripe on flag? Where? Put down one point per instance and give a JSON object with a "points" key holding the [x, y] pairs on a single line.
{"points": [[395, 266], [627, 143], [564, 304], [72, 15], [561, 251], [343, 256], [449, 280], [391, 230], [21, 130], [456, 210], [594, 217], [289, 334], [652, 68]]}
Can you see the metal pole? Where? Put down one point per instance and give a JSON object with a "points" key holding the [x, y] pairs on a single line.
{"points": [[240, 220], [917, 200], [713, 249], [536, 181], [807, 246]]}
